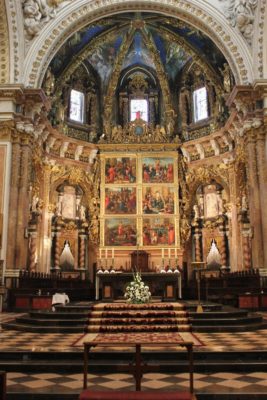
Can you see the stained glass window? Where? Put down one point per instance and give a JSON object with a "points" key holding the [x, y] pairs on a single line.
{"points": [[200, 104], [76, 105], [139, 109]]}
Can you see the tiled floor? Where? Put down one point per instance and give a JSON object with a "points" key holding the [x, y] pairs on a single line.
{"points": [[223, 382]]}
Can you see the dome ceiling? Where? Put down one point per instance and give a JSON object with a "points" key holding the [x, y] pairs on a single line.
{"points": [[100, 44]]}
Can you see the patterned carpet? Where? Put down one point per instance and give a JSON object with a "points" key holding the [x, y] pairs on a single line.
{"points": [[155, 338], [152, 317]]}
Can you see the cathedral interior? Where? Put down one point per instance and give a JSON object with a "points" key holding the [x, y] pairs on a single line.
{"points": [[133, 140]]}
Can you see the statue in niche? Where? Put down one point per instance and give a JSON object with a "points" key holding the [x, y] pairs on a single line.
{"points": [[66, 259], [160, 134], [49, 82], [196, 211], [170, 115], [220, 204], [201, 205], [244, 203], [185, 229], [211, 202], [34, 204], [226, 73], [59, 205], [82, 212], [214, 259]]}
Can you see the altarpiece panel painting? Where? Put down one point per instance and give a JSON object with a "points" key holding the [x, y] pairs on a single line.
{"points": [[120, 232], [158, 232], [158, 170], [120, 200], [158, 200], [120, 170]]}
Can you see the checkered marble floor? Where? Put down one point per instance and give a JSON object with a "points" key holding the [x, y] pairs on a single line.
{"points": [[235, 341], [222, 382]]}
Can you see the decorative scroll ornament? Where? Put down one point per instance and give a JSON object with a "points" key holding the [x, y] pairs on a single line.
{"points": [[241, 14], [137, 131], [37, 13], [138, 84]]}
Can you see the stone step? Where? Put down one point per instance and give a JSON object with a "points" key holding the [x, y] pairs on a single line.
{"points": [[58, 315], [23, 327], [50, 322], [225, 321]]}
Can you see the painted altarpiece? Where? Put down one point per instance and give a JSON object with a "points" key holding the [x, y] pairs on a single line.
{"points": [[139, 205]]}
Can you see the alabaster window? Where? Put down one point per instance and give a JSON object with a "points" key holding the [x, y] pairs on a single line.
{"points": [[200, 104], [139, 109], [76, 106]]}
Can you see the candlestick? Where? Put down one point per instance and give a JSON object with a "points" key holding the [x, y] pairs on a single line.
{"points": [[112, 252], [162, 253], [106, 253], [169, 253]]}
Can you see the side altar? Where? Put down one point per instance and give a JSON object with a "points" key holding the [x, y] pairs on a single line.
{"points": [[165, 285]]}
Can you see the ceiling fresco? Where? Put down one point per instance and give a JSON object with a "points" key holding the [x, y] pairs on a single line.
{"points": [[100, 44]]}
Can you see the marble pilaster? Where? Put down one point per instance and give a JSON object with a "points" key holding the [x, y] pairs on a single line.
{"points": [[23, 205], [13, 201], [262, 177], [254, 201]]}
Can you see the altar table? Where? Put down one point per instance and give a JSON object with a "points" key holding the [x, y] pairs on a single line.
{"points": [[167, 285]]}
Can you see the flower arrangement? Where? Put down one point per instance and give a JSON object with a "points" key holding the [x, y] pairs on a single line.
{"points": [[137, 291]]}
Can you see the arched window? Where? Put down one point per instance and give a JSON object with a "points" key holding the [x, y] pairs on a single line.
{"points": [[139, 109], [200, 104], [76, 106]]}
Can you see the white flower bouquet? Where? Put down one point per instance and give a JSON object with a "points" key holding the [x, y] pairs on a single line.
{"points": [[137, 291]]}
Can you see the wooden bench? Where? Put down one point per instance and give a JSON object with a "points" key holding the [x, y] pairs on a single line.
{"points": [[137, 369]]}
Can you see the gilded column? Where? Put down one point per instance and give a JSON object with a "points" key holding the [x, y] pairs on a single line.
{"points": [[32, 251], [13, 200], [23, 204], [57, 252], [197, 246], [246, 249], [262, 176], [82, 252], [254, 201]]}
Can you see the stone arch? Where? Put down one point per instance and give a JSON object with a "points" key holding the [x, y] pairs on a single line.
{"points": [[77, 15], [4, 45]]}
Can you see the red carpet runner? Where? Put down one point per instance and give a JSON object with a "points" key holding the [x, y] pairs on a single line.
{"points": [[125, 318]]}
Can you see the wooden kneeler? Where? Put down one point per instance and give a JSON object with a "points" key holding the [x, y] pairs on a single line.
{"points": [[138, 369]]}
